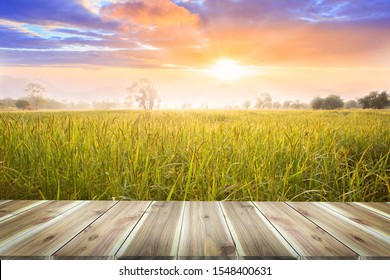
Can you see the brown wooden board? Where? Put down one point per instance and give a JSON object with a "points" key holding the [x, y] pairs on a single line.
{"points": [[362, 216], [204, 233], [253, 235], [104, 237], [377, 207], [363, 242], [16, 207], [16, 226], [47, 238], [157, 234], [308, 239]]}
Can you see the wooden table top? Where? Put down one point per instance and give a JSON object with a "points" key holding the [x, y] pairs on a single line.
{"points": [[41, 229]]}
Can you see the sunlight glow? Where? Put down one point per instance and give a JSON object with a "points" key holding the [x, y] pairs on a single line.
{"points": [[227, 70]]}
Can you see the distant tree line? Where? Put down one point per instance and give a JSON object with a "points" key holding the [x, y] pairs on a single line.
{"points": [[374, 100], [264, 101], [50, 104], [328, 103], [145, 95]]}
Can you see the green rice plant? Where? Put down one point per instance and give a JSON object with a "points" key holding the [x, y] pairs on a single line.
{"points": [[196, 155]]}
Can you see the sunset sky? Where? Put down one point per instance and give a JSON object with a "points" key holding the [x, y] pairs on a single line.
{"points": [[94, 49]]}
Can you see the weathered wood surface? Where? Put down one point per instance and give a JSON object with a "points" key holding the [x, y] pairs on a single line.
{"points": [[205, 233], [158, 233], [26, 221], [196, 230], [103, 237], [361, 240], [46, 239], [13, 208], [361, 216], [380, 208], [305, 237], [254, 235]]}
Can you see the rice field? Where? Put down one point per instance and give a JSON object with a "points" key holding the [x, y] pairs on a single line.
{"points": [[196, 155]]}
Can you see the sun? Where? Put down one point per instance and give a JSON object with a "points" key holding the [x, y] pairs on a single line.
{"points": [[227, 69]]}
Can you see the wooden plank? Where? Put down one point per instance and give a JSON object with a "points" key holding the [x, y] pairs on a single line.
{"points": [[15, 207], [204, 233], [51, 236], [361, 216], [104, 237], [305, 237], [156, 236], [355, 236], [14, 227], [4, 201], [377, 207], [253, 235]]}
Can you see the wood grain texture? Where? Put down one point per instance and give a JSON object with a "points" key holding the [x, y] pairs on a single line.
{"points": [[104, 237], [205, 233], [308, 239], [364, 243], [15, 207], [377, 207], [362, 216], [253, 235], [46, 239], [157, 233], [16, 226], [197, 230], [4, 201]]}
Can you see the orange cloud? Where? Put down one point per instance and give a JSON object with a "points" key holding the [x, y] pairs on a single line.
{"points": [[164, 26], [155, 13], [159, 21]]}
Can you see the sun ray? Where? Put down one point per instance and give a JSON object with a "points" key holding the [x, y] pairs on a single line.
{"points": [[227, 69]]}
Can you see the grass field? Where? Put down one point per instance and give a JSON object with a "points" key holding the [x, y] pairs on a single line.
{"points": [[196, 155]]}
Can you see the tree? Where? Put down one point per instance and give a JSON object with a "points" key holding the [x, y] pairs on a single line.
{"points": [[246, 104], [316, 103], [287, 104], [351, 104], [104, 104], [36, 93], [328, 103], [8, 102], [264, 101], [276, 105], [22, 104], [144, 93], [186, 105], [332, 102], [375, 100], [297, 104]]}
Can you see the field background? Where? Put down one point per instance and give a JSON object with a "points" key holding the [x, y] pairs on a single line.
{"points": [[196, 155]]}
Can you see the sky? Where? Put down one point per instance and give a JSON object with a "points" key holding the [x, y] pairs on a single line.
{"points": [[213, 51]]}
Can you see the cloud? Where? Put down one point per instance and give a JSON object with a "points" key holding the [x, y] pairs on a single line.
{"points": [[19, 40], [156, 13], [269, 10], [69, 12], [161, 23], [297, 32], [154, 33], [12, 38], [119, 58]]}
